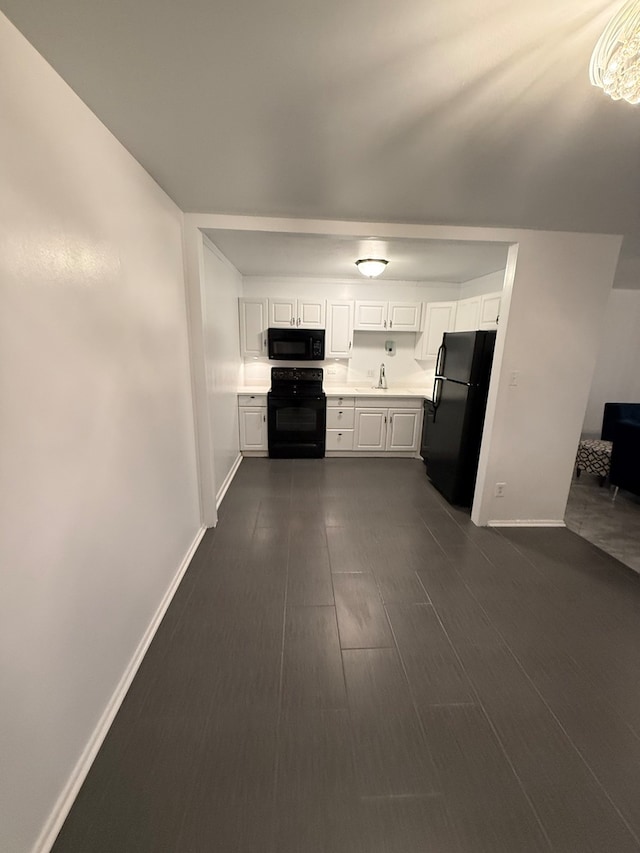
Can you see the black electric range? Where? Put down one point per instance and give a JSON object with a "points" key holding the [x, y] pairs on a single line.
{"points": [[296, 413]]}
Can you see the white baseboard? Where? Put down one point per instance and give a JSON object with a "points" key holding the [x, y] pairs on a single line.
{"points": [[222, 491], [63, 805], [525, 522]]}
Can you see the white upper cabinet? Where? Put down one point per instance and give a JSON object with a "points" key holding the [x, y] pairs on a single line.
{"points": [[467, 314], [371, 315], [439, 317], [253, 327], [404, 316], [312, 313], [489, 310], [380, 316], [297, 313], [339, 337], [283, 313]]}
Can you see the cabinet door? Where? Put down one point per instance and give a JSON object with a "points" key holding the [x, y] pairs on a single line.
{"points": [[439, 318], [404, 316], [311, 313], [339, 337], [371, 315], [403, 430], [253, 327], [489, 310], [370, 429], [282, 313], [468, 314], [253, 427]]}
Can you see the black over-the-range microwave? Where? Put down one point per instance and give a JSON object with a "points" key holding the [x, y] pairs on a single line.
{"points": [[296, 344]]}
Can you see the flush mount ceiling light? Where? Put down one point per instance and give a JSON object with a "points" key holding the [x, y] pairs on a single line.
{"points": [[615, 63], [371, 267]]}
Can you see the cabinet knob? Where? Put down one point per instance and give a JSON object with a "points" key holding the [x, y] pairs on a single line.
{"points": [[391, 324], [339, 435], [340, 413]]}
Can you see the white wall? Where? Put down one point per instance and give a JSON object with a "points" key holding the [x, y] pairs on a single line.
{"points": [[99, 502], [368, 347], [617, 375], [491, 283], [222, 287], [553, 308]]}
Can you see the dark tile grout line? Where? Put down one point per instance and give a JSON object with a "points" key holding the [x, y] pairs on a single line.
{"points": [[585, 675], [395, 648], [545, 703], [485, 713]]}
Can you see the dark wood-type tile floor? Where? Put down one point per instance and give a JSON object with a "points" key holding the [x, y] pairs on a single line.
{"points": [[350, 666]]}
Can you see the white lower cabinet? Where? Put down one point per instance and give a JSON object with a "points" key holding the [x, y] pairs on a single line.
{"points": [[370, 429], [387, 430], [362, 425], [253, 427], [252, 418], [403, 429]]}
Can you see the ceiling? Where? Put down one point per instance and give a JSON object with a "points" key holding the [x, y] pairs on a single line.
{"points": [[421, 111], [267, 253]]}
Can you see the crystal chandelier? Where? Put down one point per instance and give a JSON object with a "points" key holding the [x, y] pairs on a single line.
{"points": [[615, 62]]}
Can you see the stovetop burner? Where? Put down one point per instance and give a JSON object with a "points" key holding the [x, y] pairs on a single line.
{"points": [[296, 382], [296, 374]]}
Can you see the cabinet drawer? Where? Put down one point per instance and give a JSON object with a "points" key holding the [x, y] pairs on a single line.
{"points": [[339, 439], [340, 402], [340, 418], [252, 399]]}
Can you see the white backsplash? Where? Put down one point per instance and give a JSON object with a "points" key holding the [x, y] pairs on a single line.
{"points": [[402, 369]]}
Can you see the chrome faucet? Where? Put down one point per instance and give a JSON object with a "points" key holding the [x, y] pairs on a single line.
{"points": [[382, 378]]}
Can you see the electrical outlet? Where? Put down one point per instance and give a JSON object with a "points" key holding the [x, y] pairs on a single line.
{"points": [[331, 371], [500, 487], [369, 374]]}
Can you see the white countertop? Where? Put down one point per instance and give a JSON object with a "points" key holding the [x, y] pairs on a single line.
{"points": [[367, 391], [351, 391]]}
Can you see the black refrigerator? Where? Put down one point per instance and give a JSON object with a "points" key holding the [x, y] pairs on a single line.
{"points": [[455, 417]]}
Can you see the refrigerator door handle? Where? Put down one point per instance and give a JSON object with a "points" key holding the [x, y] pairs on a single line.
{"points": [[436, 395], [441, 351]]}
